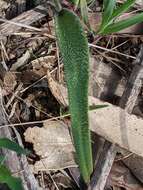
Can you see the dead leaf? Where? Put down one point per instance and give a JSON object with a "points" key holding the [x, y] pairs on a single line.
{"points": [[53, 144], [117, 126], [42, 64], [101, 77], [121, 127], [9, 83], [120, 176], [59, 91]]}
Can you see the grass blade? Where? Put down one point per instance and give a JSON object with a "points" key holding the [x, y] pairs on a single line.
{"points": [[75, 2], [122, 8], [118, 26], [6, 177], [6, 143], [108, 7], [84, 11], [95, 107]]}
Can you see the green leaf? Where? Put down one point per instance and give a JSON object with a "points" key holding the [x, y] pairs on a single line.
{"points": [[122, 8], [90, 108], [108, 7], [74, 50], [2, 158], [95, 107], [75, 2], [84, 11], [6, 177], [11, 145], [116, 27]]}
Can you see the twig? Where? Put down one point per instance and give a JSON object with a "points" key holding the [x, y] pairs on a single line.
{"points": [[103, 167], [20, 24], [112, 51], [134, 85], [23, 20]]}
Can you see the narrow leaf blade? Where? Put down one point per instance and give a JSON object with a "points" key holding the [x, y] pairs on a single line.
{"points": [[84, 11], [118, 26], [75, 2], [6, 177], [11, 145], [122, 8], [108, 6], [95, 107]]}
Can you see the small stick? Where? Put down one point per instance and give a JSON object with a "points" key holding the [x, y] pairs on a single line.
{"points": [[134, 85]]}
